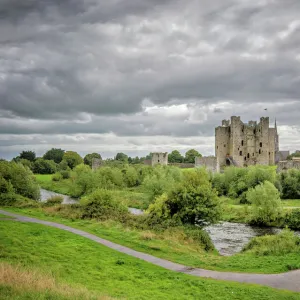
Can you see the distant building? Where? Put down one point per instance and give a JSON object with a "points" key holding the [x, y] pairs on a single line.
{"points": [[159, 158]]}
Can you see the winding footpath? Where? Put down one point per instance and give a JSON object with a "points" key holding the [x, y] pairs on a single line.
{"points": [[288, 281]]}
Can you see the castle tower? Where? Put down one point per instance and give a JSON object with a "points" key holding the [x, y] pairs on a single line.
{"points": [[244, 144]]}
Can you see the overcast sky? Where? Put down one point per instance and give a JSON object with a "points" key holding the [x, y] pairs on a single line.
{"points": [[137, 76]]}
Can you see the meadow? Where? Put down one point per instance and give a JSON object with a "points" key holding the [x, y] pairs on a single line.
{"points": [[71, 266]]}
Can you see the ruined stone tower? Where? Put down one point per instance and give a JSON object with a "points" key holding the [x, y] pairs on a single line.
{"points": [[159, 158], [243, 144]]}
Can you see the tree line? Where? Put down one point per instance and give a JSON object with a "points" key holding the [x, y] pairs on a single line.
{"points": [[57, 159]]}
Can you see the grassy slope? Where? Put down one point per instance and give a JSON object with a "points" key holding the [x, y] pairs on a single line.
{"points": [[74, 260], [170, 246]]}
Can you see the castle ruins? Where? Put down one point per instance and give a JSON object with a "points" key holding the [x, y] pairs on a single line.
{"points": [[241, 144]]}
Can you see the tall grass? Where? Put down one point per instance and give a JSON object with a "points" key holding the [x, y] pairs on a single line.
{"points": [[15, 279]]}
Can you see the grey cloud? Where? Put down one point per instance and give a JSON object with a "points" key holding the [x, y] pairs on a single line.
{"points": [[61, 61]]}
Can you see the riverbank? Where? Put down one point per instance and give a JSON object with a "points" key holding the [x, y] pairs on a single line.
{"points": [[171, 244], [81, 263]]}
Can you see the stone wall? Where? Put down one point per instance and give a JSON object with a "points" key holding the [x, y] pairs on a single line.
{"points": [[288, 164], [209, 162]]}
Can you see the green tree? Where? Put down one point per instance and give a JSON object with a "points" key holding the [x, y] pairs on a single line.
{"points": [[190, 155], [43, 166], [88, 159], [175, 157], [29, 155], [54, 154], [122, 157], [72, 158], [25, 162], [266, 203], [191, 201], [21, 178]]}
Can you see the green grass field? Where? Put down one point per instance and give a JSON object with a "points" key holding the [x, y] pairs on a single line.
{"points": [[173, 246], [78, 262]]}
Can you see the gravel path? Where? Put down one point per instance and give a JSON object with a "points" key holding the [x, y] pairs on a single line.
{"points": [[288, 281]]}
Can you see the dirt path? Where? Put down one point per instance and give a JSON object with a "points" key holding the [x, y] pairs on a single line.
{"points": [[288, 281]]}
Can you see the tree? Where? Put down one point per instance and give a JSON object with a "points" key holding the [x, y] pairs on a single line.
{"points": [[29, 155], [190, 155], [54, 154], [175, 157], [122, 157], [266, 203], [191, 201], [72, 158], [88, 159], [43, 166]]}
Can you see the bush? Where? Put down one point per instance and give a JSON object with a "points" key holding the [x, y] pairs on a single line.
{"points": [[266, 203], [57, 176], [290, 183], [193, 201], [65, 174], [280, 244], [161, 180], [21, 179], [200, 236], [12, 199], [102, 206], [130, 176], [235, 182], [42, 166], [292, 219], [54, 200]]}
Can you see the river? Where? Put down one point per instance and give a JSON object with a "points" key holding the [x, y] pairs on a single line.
{"points": [[228, 238]]}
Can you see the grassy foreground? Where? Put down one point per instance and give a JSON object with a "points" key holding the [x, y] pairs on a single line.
{"points": [[75, 261], [172, 245]]}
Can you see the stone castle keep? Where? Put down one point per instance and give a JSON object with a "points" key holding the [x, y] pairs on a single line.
{"points": [[248, 144]]}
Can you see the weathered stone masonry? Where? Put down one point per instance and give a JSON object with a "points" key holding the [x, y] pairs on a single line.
{"points": [[243, 144]]}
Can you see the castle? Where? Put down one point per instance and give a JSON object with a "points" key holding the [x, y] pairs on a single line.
{"points": [[243, 144], [240, 144]]}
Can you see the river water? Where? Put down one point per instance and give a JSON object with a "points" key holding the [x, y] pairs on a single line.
{"points": [[228, 238]]}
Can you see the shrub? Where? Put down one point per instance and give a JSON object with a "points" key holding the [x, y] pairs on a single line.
{"points": [[109, 178], [200, 236], [280, 244], [235, 182], [292, 219], [65, 174], [290, 183], [266, 203], [54, 200], [12, 199], [6, 186], [130, 176], [161, 180], [193, 201], [101, 205], [21, 179], [57, 176]]}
